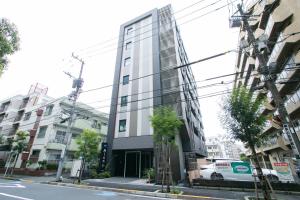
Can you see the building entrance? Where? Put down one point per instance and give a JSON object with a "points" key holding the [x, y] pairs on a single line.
{"points": [[136, 162]]}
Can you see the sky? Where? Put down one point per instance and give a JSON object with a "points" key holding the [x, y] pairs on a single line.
{"points": [[50, 30]]}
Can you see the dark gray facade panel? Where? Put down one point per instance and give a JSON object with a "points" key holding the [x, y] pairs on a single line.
{"points": [[115, 92], [156, 60], [131, 143]]}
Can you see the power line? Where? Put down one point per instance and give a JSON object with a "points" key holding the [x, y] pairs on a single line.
{"points": [[122, 45], [116, 37], [194, 98]]}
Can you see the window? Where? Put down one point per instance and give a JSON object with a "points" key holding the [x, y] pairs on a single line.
{"points": [[49, 110], [129, 31], [125, 80], [124, 100], [60, 137], [127, 61], [128, 45], [27, 116], [36, 153], [122, 125], [42, 131], [96, 124]]}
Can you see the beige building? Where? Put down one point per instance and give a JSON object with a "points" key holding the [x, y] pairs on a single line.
{"points": [[276, 26], [45, 119]]}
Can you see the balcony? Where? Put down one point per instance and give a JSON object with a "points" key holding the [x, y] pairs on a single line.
{"points": [[288, 75], [271, 126], [57, 143], [3, 109], [274, 143], [292, 104], [276, 20]]}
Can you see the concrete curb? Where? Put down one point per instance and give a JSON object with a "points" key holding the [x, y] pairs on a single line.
{"points": [[135, 192], [10, 178], [245, 190]]}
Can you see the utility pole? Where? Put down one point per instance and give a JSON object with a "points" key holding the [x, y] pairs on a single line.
{"points": [[288, 127], [77, 84]]}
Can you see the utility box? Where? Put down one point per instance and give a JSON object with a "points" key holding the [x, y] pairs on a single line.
{"points": [[75, 170]]}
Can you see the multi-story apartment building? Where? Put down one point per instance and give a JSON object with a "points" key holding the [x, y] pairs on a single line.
{"points": [[278, 23], [221, 147], [44, 118], [149, 47]]}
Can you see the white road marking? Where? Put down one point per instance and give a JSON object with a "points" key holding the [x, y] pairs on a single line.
{"points": [[12, 186], [16, 197]]}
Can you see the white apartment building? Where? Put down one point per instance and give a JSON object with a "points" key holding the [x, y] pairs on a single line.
{"points": [[45, 119], [220, 147]]}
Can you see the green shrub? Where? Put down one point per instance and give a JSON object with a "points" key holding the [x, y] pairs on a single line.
{"points": [[51, 166], [42, 164], [175, 190], [149, 173], [94, 173], [104, 174]]}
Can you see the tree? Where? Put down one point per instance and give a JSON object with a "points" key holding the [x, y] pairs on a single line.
{"points": [[9, 42], [88, 148], [244, 158], [243, 120], [165, 123], [19, 143]]}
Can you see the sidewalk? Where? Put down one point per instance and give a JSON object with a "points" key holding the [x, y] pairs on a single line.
{"points": [[192, 193]]}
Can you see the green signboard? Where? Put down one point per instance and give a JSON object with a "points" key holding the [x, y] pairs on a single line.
{"points": [[241, 168]]}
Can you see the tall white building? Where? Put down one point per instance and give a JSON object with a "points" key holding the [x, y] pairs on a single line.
{"points": [[45, 119]]}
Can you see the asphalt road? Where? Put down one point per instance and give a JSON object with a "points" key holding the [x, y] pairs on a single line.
{"points": [[32, 190], [16, 190]]}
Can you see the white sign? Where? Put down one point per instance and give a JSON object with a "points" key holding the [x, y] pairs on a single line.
{"points": [[75, 168], [283, 171]]}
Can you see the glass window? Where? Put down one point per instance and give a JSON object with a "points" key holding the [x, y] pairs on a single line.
{"points": [[35, 153], [122, 125], [125, 80], [128, 45], [42, 132], [27, 116], [129, 31], [127, 61], [124, 100], [49, 110], [60, 136]]}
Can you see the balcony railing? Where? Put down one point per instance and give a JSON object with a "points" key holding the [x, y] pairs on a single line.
{"points": [[269, 26], [296, 124], [293, 98], [60, 140], [277, 48]]}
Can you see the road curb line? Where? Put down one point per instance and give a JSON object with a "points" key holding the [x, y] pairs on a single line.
{"points": [[136, 192], [245, 190], [11, 178]]}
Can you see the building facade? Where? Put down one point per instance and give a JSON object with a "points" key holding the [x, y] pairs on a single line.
{"points": [[277, 28], [45, 119], [221, 147], [149, 47]]}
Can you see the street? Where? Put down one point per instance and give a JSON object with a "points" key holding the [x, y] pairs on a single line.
{"points": [[11, 190], [33, 190]]}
